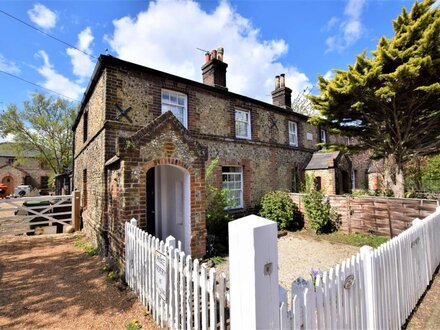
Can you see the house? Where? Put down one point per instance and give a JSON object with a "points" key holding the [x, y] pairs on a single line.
{"points": [[143, 139], [24, 170]]}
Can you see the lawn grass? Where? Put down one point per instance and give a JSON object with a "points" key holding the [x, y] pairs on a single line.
{"points": [[345, 238]]}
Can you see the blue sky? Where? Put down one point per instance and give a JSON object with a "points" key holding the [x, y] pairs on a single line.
{"points": [[261, 38]]}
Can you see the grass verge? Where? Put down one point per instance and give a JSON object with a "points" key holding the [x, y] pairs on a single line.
{"points": [[345, 238]]}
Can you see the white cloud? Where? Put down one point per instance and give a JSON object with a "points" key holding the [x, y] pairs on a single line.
{"points": [[7, 138], [8, 66], [42, 16], [57, 82], [350, 28], [329, 75], [166, 36], [82, 64]]}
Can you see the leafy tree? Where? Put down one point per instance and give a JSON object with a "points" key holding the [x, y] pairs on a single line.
{"points": [[391, 100], [42, 126], [431, 173]]}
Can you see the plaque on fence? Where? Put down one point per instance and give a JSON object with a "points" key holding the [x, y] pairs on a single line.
{"points": [[161, 272]]}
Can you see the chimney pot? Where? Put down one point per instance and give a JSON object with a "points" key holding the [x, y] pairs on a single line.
{"points": [[214, 69], [220, 52], [282, 80], [277, 82], [282, 95]]}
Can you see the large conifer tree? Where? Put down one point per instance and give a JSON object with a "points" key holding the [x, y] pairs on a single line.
{"points": [[390, 101]]}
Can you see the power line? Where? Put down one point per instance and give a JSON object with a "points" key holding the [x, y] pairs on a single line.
{"points": [[32, 83], [45, 33]]}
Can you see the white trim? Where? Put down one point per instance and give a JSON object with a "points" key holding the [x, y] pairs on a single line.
{"points": [[240, 173], [248, 124], [323, 134], [293, 133], [176, 105]]}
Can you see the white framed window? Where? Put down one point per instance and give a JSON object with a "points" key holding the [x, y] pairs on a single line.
{"points": [[353, 178], [232, 181], [176, 103], [243, 124], [323, 136], [293, 133]]}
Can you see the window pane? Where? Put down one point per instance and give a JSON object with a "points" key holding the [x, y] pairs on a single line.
{"points": [[176, 103]]}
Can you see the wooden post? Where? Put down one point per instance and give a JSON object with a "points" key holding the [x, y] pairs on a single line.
{"points": [[368, 261], [389, 219], [253, 268], [76, 221]]}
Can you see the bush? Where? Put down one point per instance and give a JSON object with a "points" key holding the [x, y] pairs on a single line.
{"points": [[278, 206], [319, 212], [217, 218]]}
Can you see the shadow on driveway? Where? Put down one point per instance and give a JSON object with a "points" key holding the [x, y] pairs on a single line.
{"points": [[46, 282]]}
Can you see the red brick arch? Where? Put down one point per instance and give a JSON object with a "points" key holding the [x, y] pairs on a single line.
{"points": [[168, 161]]}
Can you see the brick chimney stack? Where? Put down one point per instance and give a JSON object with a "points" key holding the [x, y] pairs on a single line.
{"points": [[214, 69], [282, 95]]}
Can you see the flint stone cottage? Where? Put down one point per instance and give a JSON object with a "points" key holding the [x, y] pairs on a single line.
{"points": [[143, 139]]}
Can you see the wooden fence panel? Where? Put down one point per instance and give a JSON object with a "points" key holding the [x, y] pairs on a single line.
{"points": [[377, 215]]}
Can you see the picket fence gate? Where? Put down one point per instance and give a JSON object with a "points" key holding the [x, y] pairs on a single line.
{"points": [[195, 299], [374, 289]]}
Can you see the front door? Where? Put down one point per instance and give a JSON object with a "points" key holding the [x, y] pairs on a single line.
{"points": [[168, 204], [151, 202]]}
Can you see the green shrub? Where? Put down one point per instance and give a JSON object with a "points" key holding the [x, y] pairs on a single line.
{"points": [[278, 206], [217, 218], [319, 212]]}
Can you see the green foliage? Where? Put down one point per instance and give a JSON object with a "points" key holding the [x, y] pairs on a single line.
{"points": [[133, 325], [87, 247], [216, 260], [390, 101], [217, 218], [360, 239], [42, 126], [278, 206], [323, 219], [431, 171]]}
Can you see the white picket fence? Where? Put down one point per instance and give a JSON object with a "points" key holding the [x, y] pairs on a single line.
{"points": [[195, 297], [375, 289]]}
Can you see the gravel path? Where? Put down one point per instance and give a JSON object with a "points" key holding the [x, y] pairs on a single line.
{"points": [[427, 314], [47, 283], [297, 254]]}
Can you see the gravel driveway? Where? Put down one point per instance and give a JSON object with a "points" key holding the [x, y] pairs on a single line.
{"points": [[47, 283], [297, 254]]}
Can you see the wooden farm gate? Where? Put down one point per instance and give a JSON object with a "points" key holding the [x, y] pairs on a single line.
{"points": [[38, 215]]}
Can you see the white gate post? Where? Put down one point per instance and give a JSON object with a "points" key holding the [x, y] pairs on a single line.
{"points": [[253, 268], [368, 260]]}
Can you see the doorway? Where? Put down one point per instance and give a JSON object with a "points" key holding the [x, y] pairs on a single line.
{"points": [[168, 203], [9, 181]]}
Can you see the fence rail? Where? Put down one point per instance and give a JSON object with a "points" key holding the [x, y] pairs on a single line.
{"points": [[379, 215], [195, 297], [375, 289], [25, 216]]}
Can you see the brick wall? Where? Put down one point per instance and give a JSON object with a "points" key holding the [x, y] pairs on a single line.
{"points": [[117, 192]]}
